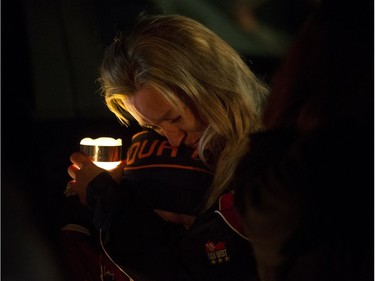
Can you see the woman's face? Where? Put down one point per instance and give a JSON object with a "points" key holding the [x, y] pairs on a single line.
{"points": [[154, 111]]}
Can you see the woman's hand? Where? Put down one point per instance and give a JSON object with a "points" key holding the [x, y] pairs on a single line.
{"points": [[83, 171]]}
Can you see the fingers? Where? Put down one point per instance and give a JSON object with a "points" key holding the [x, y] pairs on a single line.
{"points": [[117, 172], [74, 189], [72, 171], [69, 191], [79, 159], [83, 171]]}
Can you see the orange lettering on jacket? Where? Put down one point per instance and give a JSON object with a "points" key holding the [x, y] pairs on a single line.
{"points": [[144, 149], [132, 153], [142, 153], [165, 145]]}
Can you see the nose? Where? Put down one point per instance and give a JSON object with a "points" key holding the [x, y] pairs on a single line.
{"points": [[175, 138], [174, 135]]}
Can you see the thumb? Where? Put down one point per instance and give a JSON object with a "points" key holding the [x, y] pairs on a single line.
{"points": [[117, 172]]}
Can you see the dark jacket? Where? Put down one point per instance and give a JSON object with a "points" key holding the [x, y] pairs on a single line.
{"points": [[147, 247]]}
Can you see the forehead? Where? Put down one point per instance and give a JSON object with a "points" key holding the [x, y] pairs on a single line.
{"points": [[149, 105]]}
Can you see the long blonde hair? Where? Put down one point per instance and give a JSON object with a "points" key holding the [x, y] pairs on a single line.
{"points": [[186, 61]]}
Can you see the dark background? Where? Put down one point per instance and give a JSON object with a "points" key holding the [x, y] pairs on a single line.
{"points": [[50, 56]]}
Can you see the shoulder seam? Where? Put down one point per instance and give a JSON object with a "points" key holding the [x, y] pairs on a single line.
{"points": [[234, 229]]}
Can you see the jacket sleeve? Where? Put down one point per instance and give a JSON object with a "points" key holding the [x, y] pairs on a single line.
{"points": [[102, 195], [134, 236]]}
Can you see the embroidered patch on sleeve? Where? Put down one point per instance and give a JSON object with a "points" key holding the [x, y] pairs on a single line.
{"points": [[216, 253]]}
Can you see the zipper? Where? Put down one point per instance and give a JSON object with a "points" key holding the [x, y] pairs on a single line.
{"points": [[119, 267]]}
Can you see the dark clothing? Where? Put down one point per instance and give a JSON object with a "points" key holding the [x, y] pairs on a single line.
{"points": [[150, 248], [165, 177], [314, 195], [214, 248]]}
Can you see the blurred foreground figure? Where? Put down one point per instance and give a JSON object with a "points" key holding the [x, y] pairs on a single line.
{"points": [[305, 188]]}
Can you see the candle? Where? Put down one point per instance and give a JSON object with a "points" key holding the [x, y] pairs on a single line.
{"points": [[105, 151]]}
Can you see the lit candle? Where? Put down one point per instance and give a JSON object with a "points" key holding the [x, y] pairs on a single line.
{"points": [[105, 151]]}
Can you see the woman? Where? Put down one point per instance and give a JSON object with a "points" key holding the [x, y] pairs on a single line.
{"points": [[175, 76], [216, 99]]}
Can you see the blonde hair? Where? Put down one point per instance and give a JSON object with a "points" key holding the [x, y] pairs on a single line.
{"points": [[185, 61]]}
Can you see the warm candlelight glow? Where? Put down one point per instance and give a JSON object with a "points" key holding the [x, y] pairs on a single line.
{"points": [[107, 165], [105, 151]]}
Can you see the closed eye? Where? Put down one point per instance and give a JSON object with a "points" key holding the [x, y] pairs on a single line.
{"points": [[175, 120], [171, 121]]}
